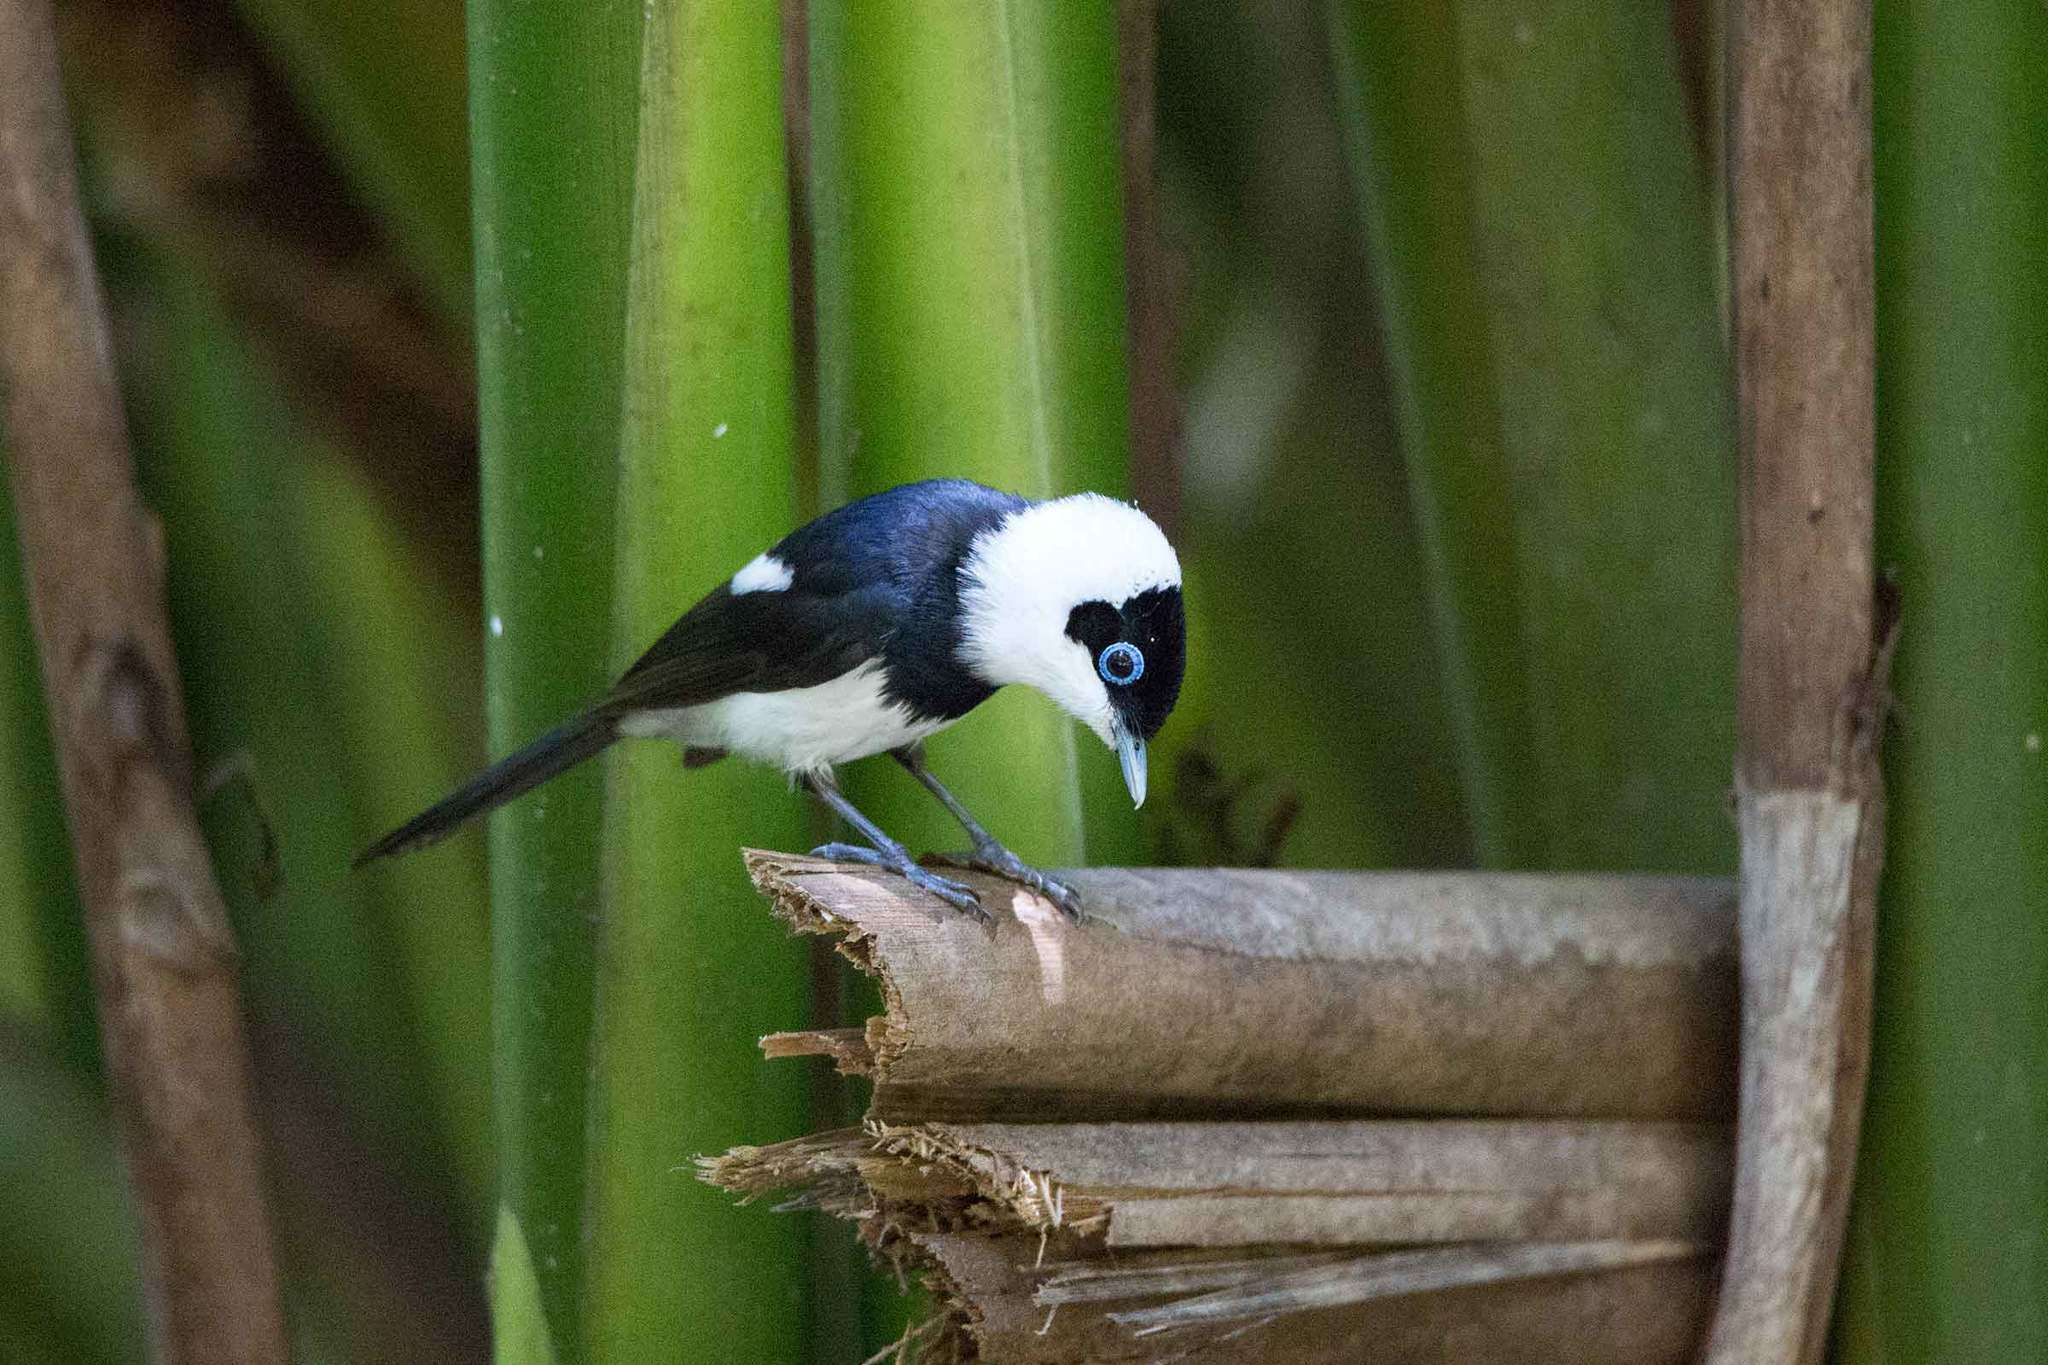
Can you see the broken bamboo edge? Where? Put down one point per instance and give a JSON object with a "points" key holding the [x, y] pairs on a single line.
{"points": [[1186, 1180], [1811, 681], [1199, 993], [1233, 1184], [1600, 1305], [1554, 1241], [163, 957]]}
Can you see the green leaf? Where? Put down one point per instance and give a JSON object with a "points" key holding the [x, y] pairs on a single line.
{"points": [[1538, 232], [1947, 1258], [395, 644], [1305, 586], [259, 648], [396, 126], [552, 100], [519, 1327], [968, 219], [691, 972], [44, 970], [68, 1245]]}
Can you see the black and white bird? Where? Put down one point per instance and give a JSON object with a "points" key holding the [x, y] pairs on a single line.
{"points": [[876, 626]]}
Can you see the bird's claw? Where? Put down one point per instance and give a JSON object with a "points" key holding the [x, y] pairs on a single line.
{"points": [[995, 858], [957, 894]]}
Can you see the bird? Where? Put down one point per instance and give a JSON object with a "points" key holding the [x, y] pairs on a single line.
{"points": [[870, 629]]}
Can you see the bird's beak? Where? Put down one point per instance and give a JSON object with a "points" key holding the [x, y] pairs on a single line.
{"points": [[1130, 753]]}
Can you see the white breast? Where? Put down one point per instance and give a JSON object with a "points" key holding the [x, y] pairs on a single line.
{"points": [[804, 729]]}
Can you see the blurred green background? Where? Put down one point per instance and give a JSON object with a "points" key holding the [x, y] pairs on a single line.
{"points": [[465, 348]]}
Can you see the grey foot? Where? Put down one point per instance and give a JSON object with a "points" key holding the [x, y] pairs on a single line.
{"points": [[993, 857], [957, 894]]}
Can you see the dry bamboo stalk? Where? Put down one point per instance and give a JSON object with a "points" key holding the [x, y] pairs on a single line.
{"points": [[1209, 993], [1395, 1275], [1225, 1184], [164, 962], [1023, 1312], [1809, 794]]}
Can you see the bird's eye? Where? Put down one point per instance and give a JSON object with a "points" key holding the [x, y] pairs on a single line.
{"points": [[1121, 663]]}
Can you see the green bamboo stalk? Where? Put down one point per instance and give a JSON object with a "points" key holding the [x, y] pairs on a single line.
{"points": [[968, 218], [397, 127], [395, 645], [520, 1324], [68, 1250], [552, 109], [1946, 1259], [225, 467], [1297, 529], [690, 972], [26, 992], [1397, 82], [43, 965], [1324, 550], [1538, 233]]}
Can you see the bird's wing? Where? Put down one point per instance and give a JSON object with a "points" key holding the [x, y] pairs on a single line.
{"points": [[753, 642]]}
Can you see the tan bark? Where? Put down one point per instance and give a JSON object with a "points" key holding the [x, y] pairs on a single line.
{"points": [[1225, 1184], [1210, 993], [1809, 794], [1639, 1314], [164, 963]]}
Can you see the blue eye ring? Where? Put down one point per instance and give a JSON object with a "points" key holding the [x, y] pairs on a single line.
{"points": [[1126, 653]]}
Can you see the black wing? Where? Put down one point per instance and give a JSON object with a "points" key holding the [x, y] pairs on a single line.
{"points": [[858, 574], [754, 642]]}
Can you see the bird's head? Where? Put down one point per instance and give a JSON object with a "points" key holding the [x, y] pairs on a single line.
{"points": [[1080, 598]]}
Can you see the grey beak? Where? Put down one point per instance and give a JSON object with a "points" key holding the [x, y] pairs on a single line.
{"points": [[1130, 752]]}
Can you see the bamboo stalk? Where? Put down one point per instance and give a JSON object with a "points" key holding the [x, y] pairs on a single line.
{"points": [[1098, 1232], [60, 1182], [685, 973], [397, 126], [164, 961], [1946, 1258], [1213, 992], [1809, 794], [1539, 243], [970, 293], [1026, 1305], [552, 117], [42, 936], [330, 306], [393, 643], [1328, 1182]]}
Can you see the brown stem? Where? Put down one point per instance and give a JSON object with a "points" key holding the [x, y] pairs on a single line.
{"points": [[1155, 415], [1811, 686], [164, 963]]}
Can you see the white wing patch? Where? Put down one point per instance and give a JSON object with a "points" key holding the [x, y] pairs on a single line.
{"points": [[763, 573]]}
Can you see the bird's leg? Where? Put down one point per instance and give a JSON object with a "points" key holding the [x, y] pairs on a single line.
{"points": [[988, 855], [886, 852]]}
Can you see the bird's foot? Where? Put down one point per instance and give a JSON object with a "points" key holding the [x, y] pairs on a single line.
{"points": [[993, 857], [957, 894]]}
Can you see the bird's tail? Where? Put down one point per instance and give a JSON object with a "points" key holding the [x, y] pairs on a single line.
{"points": [[514, 775]]}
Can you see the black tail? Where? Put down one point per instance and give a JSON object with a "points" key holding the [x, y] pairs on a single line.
{"points": [[514, 775]]}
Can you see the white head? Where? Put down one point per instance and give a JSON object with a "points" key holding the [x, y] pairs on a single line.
{"points": [[1080, 597]]}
